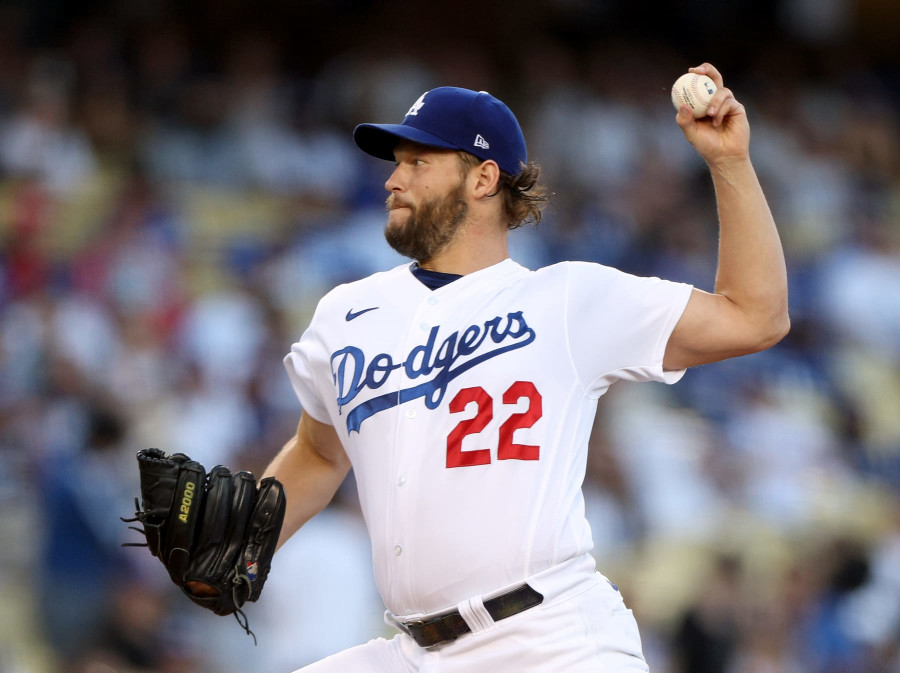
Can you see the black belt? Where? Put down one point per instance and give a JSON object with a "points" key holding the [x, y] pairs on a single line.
{"points": [[451, 626]]}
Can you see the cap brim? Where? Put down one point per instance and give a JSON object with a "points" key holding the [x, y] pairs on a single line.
{"points": [[379, 140]]}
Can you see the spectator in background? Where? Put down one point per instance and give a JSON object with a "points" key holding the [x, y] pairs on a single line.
{"points": [[707, 635], [81, 559], [41, 140]]}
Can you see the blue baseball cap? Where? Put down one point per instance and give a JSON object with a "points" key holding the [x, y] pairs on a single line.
{"points": [[453, 119]]}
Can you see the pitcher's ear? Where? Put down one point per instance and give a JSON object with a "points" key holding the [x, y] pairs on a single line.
{"points": [[487, 178]]}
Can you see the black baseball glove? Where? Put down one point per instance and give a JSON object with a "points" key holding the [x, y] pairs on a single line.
{"points": [[215, 533]]}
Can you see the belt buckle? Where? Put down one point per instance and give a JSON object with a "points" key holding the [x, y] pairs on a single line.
{"points": [[433, 632], [415, 630]]}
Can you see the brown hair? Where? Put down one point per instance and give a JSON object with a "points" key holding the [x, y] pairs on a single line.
{"points": [[524, 197]]}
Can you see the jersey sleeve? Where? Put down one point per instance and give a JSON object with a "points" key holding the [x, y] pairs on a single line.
{"points": [[308, 369], [618, 325]]}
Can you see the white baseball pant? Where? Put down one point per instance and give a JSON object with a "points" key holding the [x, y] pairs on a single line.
{"points": [[584, 629]]}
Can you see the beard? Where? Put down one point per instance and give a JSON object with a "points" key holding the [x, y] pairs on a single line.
{"points": [[429, 227]]}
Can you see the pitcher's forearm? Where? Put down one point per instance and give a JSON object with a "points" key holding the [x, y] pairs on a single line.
{"points": [[310, 482], [751, 270]]}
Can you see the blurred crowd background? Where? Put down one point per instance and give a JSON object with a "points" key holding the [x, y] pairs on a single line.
{"points": [[178, 188]]}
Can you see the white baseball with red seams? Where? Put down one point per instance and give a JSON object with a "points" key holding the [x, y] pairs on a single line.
{"points": [[453, 403], [695, 90]]}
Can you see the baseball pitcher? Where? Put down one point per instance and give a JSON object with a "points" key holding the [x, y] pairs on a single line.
{"points": [[461, 388]]}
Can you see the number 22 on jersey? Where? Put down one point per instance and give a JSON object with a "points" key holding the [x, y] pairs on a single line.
{"points": [[507, 448]]}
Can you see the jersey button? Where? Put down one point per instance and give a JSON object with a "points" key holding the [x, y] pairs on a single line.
{"points": [[401, 480], [398, 550], [423, 327], [410, 413], [432, 300]]}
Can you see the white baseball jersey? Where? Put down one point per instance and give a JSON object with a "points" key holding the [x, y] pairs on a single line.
{"points": [[466, 412]]}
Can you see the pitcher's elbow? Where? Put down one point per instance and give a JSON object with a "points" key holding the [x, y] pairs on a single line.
{"points": [[778, 329]]}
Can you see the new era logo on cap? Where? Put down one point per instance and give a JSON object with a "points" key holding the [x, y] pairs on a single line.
{"points": [[450, 117]]}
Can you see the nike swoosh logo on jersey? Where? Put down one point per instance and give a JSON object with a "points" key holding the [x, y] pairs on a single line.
{"points": [[351, 315]]}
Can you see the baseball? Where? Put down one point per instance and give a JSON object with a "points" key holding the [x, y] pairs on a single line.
{"points": [[695, 90]]}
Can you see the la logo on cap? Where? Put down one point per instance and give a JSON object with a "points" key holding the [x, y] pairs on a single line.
{"points": [[414, 110]]}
